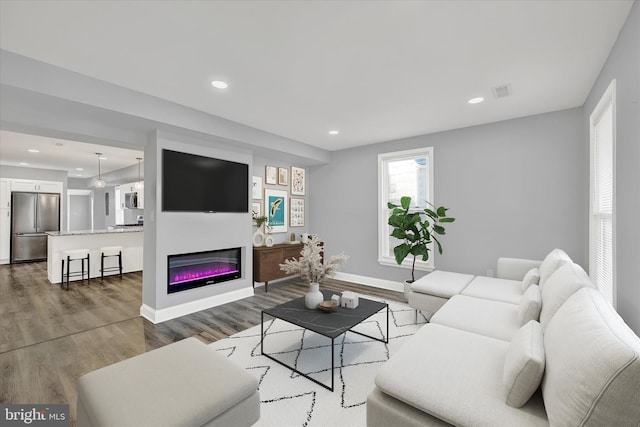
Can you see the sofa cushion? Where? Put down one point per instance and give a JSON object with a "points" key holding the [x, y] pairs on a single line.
{"points": [[524, 364], [592, 375], [456, 376], [444, 284], [561, 285], [531, 278], [481, 316], [554, 260], [495, 289], [530, 305]]}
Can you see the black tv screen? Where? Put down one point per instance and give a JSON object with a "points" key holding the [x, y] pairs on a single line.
{"points": [[192, 183]]}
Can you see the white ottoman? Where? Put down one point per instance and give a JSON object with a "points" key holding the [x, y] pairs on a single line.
{"points": [[182, 384], [432, 291]]}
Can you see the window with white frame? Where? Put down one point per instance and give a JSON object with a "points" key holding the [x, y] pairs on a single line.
{"points": [[402, 173], [602, 123]]}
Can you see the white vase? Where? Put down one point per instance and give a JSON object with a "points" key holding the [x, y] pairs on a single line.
{"points": [[314, 297], [258, 237], [268, 241]]}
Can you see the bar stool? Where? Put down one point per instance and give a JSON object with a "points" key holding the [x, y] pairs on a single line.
{"points": [[81, 255], [110, 251]]}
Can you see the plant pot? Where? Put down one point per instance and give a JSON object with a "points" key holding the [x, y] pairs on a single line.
{"points": [[314, 297], [407, 288]]}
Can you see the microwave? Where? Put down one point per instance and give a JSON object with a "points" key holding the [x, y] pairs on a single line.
{"points": [[131, 200]]}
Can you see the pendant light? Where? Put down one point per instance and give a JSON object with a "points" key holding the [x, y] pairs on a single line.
{"points": [[99, 182], [140, 184]]}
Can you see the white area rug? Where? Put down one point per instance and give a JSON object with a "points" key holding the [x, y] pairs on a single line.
{"points": [[289, 399]]}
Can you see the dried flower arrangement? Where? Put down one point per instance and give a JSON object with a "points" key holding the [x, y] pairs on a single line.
{"points": [[309, 266]]}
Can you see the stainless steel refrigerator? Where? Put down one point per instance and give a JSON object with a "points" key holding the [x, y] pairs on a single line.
{"points": [[32, 214]]}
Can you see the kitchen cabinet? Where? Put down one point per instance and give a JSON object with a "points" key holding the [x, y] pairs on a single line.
{"points": [[36, 186], [5, 235], [130, 188], [5, 193]]}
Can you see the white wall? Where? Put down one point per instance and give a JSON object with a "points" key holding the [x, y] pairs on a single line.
{"points": [[168, 233], [623, 65], [516, 188]]}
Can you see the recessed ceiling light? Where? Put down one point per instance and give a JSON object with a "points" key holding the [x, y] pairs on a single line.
{"points": [[79, 169], [333, 132], [24, 164], [78, 174], [219, 84], [476, 100], [33, 150]]}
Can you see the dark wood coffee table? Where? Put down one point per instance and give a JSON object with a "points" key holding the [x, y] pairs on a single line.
{"points": [[330, 325]]}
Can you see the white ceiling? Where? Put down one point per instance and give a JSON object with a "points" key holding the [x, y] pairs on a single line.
{"points": [[63, 155], [375, 70]]}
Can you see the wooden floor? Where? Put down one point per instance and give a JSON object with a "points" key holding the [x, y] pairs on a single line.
{"points": [[49, 337]]}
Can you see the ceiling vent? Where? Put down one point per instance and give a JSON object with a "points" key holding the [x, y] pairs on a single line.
{"points": [[501, 91]]}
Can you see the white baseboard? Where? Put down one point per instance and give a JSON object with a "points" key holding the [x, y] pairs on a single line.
{"points": [[164, 314], [370, 281]]}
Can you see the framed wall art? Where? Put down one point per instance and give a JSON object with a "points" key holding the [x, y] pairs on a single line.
{"points": [[283, 176], [296, 214], [276, 210], [298, 184], [256, 189], [256, 209], [271, 175]]}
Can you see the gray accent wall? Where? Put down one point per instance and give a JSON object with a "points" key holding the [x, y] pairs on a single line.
{"points": [[516, 189], [623, 65], [259, 164]]}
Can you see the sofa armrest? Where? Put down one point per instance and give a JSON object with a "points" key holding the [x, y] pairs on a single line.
{"points": [[515, 268]]}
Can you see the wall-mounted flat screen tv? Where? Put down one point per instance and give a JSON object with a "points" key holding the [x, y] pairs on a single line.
{"points": [[192, 183]]}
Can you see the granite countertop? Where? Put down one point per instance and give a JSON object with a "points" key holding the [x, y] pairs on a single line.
{"points": [[113, 230]]}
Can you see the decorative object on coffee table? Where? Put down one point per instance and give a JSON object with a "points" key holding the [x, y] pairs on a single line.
{"points": [[416, 229], [328, 306], [310, 267]]}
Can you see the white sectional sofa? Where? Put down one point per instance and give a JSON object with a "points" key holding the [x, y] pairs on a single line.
{"points": [[559, 355]]}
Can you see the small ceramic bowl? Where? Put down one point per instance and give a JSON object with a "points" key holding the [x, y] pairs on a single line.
{"points": [[328, 306]]}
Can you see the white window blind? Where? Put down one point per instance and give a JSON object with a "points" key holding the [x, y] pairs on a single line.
{"points": [[602, 200]]}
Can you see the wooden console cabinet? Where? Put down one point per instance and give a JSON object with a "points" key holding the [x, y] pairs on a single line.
{"points": [[267, 260]]}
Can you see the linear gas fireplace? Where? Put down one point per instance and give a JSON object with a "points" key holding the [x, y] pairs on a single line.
{"points": [[193, 270]]}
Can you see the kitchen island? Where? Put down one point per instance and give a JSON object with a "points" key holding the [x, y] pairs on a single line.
{"points": [[130, 238]]}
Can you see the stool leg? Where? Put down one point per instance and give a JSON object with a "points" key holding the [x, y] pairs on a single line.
{"points": [[88, 268], [62, 275], [102, 266], [120, 263], [68, 268]]}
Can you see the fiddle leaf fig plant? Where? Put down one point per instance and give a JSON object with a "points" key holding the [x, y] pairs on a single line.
{"points": [[417, 229]]}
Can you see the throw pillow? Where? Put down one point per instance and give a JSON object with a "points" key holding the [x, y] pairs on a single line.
{"points": [[530, 305], [551, 263], [524, 364], [531, 278]]}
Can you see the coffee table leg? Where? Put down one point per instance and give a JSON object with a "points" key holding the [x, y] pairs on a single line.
{"points": [[262, 332], [332, 363], [387, 340]]}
